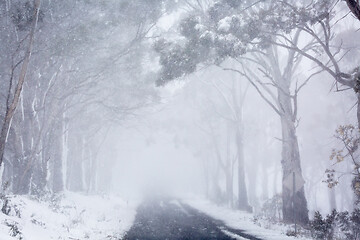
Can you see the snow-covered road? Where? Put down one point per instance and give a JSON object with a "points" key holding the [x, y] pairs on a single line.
{"points": [[172, 220]]}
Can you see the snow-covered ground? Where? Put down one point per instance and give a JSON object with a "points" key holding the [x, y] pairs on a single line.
{"points": [[77, 216], [241, 220], [74, 216]]}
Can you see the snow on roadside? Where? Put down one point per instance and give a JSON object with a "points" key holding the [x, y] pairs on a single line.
{"points": [[75, 216], [240, 220]]}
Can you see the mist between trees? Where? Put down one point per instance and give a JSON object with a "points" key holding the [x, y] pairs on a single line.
{"points": [[243, 93]]}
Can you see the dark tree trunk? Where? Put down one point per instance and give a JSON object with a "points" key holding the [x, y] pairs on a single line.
{"points": [[354, 6]]}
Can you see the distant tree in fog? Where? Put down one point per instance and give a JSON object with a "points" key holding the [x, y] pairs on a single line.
{"points": [[223, 123]]}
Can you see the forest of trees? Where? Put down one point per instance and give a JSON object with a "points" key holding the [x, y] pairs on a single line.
{"points": [[71, 70], [60, 69]]}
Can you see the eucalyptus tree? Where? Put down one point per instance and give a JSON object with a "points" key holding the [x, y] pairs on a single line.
{"points": [[251, 32]]}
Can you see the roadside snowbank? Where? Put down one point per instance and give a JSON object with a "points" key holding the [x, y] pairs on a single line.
{"points": [[241, 220], [74, 216]]}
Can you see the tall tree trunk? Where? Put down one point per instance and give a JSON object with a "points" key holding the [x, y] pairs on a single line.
{"points": [[22, 185], [87, 165], [238, 101], [290, 164], [205, 165], [215, 192], [275, 180], [74, 164], [24, 129], [12, 158], [55, 156], [229, 187], [242, 191], [38, 176], [265, 179], [57, 174], [253, 177], [10, 109], [229, 166], [290, 158], [65, 149], [287, 107], [93, 172], [37, 162]]}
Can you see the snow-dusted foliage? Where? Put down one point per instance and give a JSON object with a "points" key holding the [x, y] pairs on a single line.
{"points": [[336, 225], [228, 31]]}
